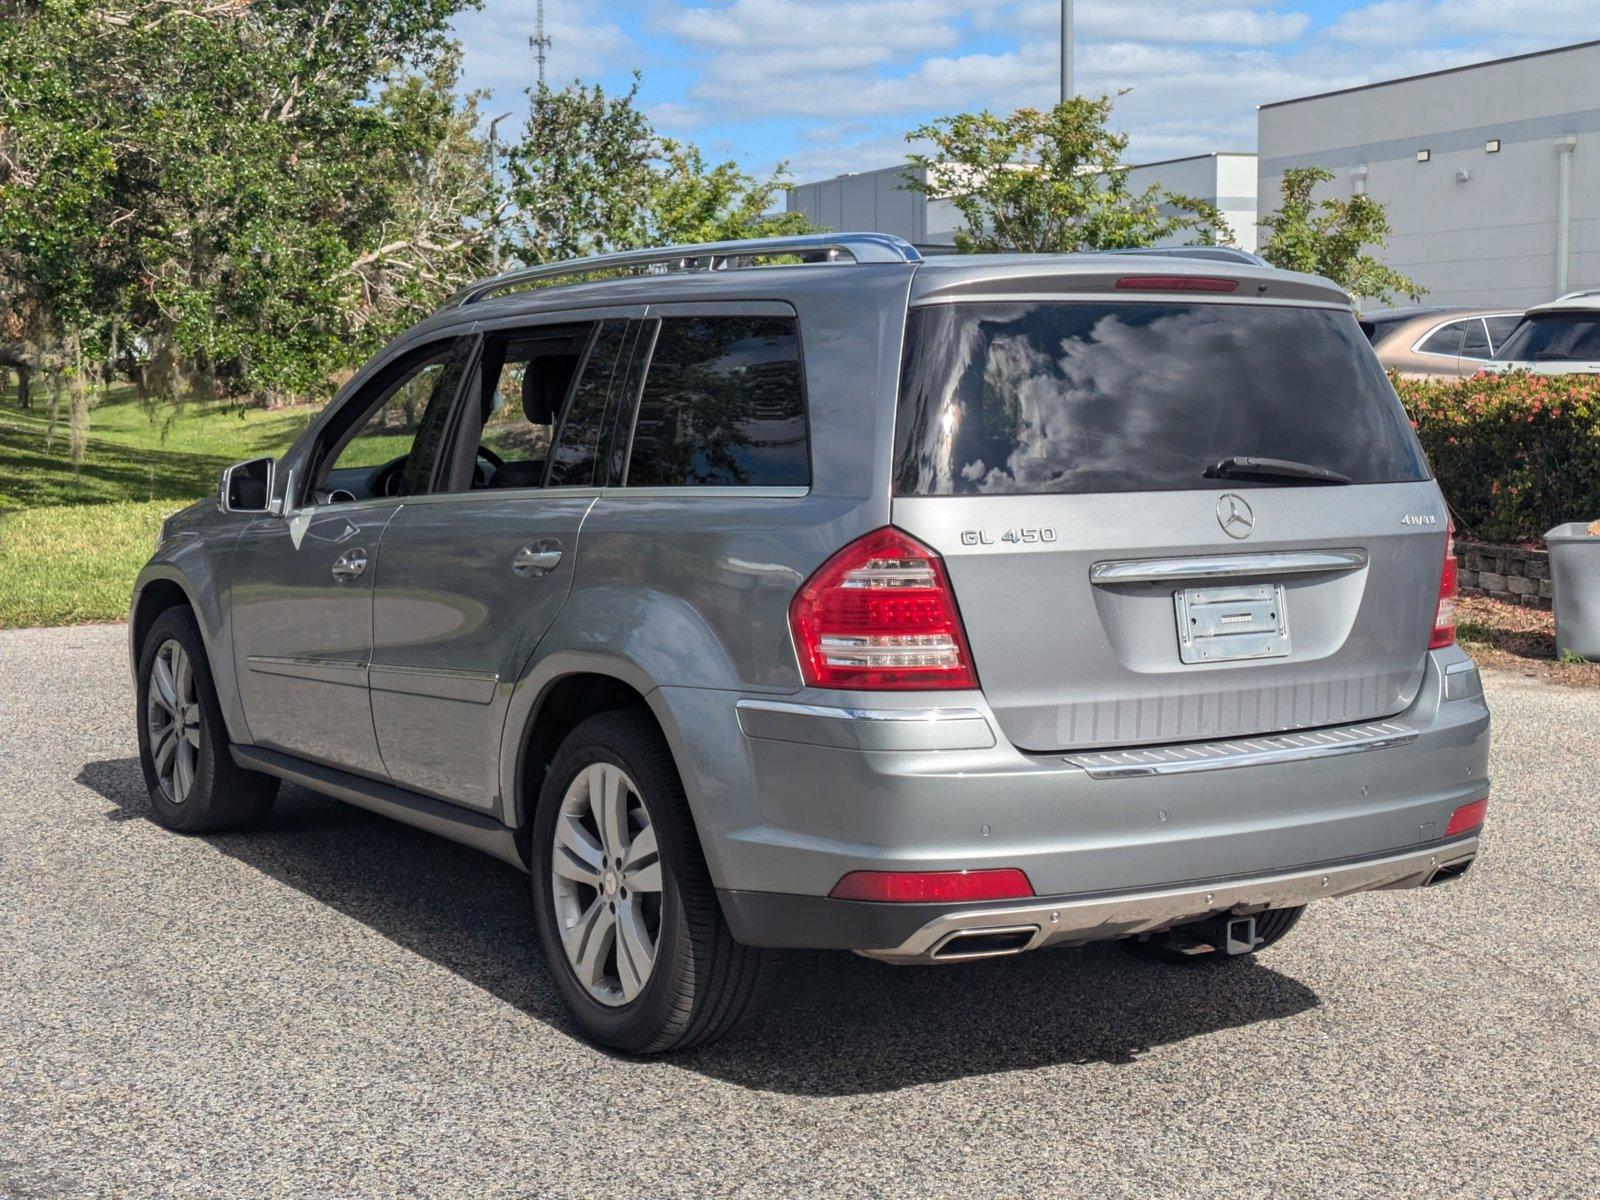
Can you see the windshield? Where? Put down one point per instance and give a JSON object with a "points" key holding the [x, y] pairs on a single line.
{"points": [[1122, 396], [1555, 337]]}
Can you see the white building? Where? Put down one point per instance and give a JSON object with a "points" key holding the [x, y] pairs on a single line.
{"points": [[1490, 173], [880, 201]]}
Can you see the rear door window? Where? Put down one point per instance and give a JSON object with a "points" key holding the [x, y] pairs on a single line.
{"points": [[723, 404], [577, 450], [1474, 341], [1119, 396]]}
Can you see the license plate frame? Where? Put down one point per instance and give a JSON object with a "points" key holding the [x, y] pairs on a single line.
{"points": [[1231, 622]]}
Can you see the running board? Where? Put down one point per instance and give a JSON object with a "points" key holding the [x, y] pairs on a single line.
{"points": [[475, 829]]}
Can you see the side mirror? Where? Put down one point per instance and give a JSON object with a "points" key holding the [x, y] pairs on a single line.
{"points": [[247, 486]]}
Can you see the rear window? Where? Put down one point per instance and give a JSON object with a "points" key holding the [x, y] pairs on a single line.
{"points": [[1555, 337], [1006, 398], [722, 404]]}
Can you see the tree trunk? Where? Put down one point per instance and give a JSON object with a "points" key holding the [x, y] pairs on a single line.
{"points": [[24, 386]]}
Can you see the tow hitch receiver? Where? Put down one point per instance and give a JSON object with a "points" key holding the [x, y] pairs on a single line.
{"points": [[1228, 935]]}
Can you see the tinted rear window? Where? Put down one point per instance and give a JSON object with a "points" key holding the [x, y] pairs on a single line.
{"points": [[722, 405], [1556, 337], [1009, 398]]}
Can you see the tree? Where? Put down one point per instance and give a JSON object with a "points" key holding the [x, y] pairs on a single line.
{"points": [[252, 194], [590, 174], [1330, 238], [691, 202], [1050, 180]]}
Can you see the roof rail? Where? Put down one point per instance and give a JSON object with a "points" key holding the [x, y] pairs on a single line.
{"points": [[1214, 253], [708, 256]]}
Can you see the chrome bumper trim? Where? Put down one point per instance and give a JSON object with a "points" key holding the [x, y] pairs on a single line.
{"points": [[865, 728], [1101, 917], [1243, 752]]}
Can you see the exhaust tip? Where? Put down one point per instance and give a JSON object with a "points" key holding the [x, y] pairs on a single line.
{"points": [[985, 943], [1450, 871]]}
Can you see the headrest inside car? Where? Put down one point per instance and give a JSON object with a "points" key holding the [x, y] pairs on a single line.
{"points": [[544, 385]]}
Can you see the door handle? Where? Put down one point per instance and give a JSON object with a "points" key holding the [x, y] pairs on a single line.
{"points": [[350, 565], [542, 556]]}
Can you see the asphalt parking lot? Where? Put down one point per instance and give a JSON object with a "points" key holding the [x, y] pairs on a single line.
{"points": [[341, 1006]]}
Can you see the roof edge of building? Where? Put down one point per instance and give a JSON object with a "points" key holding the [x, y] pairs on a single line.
{"points": [[1490, 62]]}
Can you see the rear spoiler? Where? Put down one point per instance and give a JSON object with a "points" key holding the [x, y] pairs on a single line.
{"points": [[1211, 253]]}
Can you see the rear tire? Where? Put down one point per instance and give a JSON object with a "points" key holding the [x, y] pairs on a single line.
{"points": [[194, 784], [617, 870], [1179, 945]]}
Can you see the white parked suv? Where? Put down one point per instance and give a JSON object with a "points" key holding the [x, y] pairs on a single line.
{"points": [[1558, 338]]}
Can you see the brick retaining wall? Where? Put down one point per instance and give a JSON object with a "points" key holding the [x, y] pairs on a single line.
{"points": [[1504, 572]]}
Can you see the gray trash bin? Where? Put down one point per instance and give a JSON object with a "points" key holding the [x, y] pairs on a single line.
{"points": [[1575, 587]]}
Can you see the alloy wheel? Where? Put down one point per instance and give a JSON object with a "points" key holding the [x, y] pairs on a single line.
{"points": [[172, 713], [605, 877]]}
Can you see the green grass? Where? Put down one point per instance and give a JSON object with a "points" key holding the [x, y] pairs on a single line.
{"points": [[72, 540]]}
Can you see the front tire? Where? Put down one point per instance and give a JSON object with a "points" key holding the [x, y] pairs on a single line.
{"points": [[624, 904], [194, 784]]}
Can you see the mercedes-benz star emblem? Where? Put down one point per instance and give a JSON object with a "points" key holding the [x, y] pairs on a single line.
{"points": [[1235, 517]]}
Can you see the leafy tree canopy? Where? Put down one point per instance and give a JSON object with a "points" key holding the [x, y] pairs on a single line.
{"points": [[1331, 238], [1050, 181]]}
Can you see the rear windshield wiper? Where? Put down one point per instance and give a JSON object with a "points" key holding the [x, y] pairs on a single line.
{"points": [[1273, 468]]}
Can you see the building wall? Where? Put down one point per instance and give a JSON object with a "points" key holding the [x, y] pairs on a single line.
{"points": [[1488, 237], [877, 201]]}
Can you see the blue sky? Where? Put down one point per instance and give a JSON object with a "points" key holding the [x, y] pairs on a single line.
{"points": [[833, 85]]}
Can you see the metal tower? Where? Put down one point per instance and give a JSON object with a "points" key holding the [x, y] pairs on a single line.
{"points": [[539, 41]]}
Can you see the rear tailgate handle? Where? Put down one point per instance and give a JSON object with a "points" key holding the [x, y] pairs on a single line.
{"points": [[1227, 566]]}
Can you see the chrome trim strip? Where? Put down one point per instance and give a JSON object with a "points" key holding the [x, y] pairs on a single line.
{"points": [[1092, 918], [861, 714], [735, 492], [1243, 752], [345, 671], [864, 729], [1230, 566], [474, 687]]}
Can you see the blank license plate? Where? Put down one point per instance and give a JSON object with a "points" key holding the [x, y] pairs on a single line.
{"points": [[1221, 624]]}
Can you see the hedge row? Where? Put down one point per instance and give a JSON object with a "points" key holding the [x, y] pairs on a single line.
{"points": [[1514, 454]]}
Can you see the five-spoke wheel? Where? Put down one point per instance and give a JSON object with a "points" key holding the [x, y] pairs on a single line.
{"points": [[173, 713], [626, 910], [605, 878]]}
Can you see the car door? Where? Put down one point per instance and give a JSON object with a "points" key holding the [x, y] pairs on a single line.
{"points": [[301, 593], [469, 580]]}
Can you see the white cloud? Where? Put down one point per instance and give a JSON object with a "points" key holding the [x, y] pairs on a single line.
{"points": [[1408, 22], [1171, 21]]}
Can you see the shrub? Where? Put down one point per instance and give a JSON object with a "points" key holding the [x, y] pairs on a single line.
{"points": [[1514, 454]]}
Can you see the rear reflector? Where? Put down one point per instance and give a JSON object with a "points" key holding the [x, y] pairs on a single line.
{"points": [[880, 614], [1176, 283], [1467, 817], [927, 887], [1444, 616]]}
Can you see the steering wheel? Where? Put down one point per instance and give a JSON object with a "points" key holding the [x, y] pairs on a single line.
{"points": [[480, 477], [390, 478]]}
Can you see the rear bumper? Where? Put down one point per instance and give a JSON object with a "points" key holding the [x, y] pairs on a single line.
{"points": [[792, 793], [922, 933]]}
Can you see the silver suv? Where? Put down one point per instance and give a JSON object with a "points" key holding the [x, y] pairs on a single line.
{"points": [[804, 593]]}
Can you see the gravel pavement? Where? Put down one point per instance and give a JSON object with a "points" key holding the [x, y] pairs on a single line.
{"points": [[340, 1006]]}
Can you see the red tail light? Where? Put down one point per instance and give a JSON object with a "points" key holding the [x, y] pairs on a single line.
{"points": [[880, 614], [1176, 283], [1468, 816], [1444, 617], [925, 887]]}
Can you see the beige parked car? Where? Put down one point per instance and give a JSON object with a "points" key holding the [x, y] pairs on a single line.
{"points": [[1438, 342]]}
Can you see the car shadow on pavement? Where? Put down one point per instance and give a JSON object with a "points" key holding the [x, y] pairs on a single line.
{"points": [[834, 1024]]}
